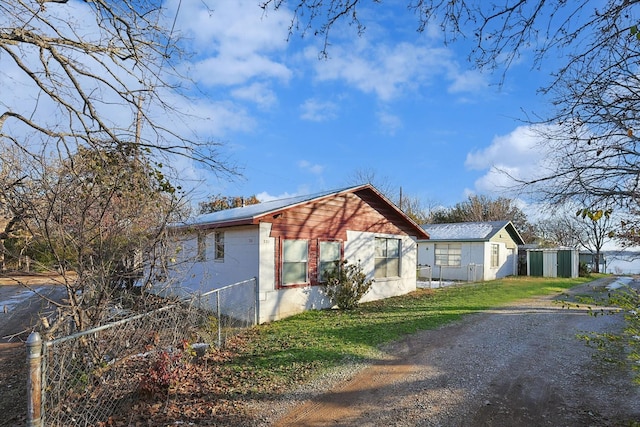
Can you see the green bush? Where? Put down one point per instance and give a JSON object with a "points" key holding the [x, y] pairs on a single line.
{"points": [[345, 285], [584, 270]]}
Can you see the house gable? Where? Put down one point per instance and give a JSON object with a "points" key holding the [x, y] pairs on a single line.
{"points": [[333, 216]]}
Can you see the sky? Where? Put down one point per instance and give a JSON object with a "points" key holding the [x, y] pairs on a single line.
{"points": [[392, 102]]}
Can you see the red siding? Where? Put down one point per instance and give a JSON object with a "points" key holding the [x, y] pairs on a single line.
{"points": [[329, 219]]}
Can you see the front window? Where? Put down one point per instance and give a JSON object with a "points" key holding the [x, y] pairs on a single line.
{"points": [[219, 239], [495, 255], [329, 258], [387, 259], [294, 262], [448, 255]]}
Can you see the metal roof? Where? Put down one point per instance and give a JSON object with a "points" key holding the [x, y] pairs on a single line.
{"points": [[253, 213], [467, 231]]}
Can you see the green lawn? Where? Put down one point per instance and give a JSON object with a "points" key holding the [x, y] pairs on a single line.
{"points": [[297, 348]]}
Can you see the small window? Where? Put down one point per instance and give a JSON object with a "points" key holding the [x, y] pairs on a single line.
{"points": [[329, 258], [294, 262], [387, 258], [202, 247], [495, 255], [448, 255], [219, 241]]}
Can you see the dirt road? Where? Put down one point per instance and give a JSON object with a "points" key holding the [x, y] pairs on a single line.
{"points": [[22, 301], [517, 365], [20, 308]]}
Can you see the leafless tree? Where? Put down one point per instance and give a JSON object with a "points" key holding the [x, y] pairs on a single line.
{"points": [[581, 231], [98, 74], [502, 31], [411, 205], [478, 208], [91, 121]]}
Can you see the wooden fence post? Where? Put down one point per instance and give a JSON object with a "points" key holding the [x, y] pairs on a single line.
{"points": [[34, 380]]}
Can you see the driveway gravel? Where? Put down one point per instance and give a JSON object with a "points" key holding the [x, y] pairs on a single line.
{"points": [[515, 365]]}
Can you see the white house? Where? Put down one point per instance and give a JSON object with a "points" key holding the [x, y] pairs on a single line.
{"points": [[287, 244], [470, 251]]}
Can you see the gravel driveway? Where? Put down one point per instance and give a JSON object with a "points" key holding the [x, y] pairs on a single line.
{"points": [[516, 365]]}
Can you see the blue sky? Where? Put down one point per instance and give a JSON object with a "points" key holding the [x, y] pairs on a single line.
{"points": [[393, 101]]}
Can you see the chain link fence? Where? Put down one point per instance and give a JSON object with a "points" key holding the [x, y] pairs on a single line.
{"points": [[85, 378]]}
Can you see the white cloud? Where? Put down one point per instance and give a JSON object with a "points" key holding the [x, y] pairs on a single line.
{"points": [[203, 116], [237, 27], [390, 123], [518, 155], [235, 70], [234, 41], [388, 71], [259, 93], [310, 167], [266, 197], [466, 81], [318, 111]]}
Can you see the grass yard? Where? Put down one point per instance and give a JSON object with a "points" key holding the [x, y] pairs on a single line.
{"points": [[272, 358], [297, 348]]}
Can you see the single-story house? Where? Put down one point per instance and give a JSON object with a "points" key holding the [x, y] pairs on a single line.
{"points": [[470, 251], [287, 245]]}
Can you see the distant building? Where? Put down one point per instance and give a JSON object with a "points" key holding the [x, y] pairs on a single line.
{"points": [[470, 251]]}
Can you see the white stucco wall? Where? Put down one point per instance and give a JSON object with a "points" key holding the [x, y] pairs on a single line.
{"points": [[475, 261], [359, 247], [250, 252], [241, 255]]}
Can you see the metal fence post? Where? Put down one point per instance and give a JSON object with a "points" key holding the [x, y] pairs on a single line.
{"points": [[256, 302], [34, 380], [219, 319]]}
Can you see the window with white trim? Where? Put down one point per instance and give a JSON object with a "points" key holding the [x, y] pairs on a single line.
{"points": [[328, 258], [219, 244], [495, 255], [295, 262], [387, 257], [448, 254]]}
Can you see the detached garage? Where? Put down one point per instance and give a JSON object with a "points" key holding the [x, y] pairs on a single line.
{"points": [[553, 262]]}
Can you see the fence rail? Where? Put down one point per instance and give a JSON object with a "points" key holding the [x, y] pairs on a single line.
{"points": [[439, 274], [84, 378]]}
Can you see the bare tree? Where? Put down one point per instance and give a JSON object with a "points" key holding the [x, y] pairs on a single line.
{"points": [[12, 210], [99, 219], [409, 204], [218, 202], [478, 208], [97, 74], [90, 125], [557, 231], [501, 30]]}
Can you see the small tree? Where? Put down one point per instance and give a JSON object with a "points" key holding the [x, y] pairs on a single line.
{"points": [[346, 285]]}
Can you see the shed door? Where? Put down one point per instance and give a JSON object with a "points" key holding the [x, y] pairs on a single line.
{"points": [[550, 264], [535, 263], [564, 263]]}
